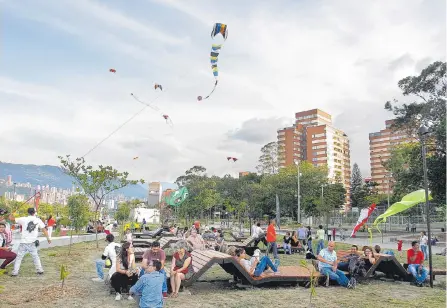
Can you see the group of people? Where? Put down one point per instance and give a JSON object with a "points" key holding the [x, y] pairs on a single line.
{"points": [[146, 282]]}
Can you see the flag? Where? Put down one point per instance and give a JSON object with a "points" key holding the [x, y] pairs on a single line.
{"points": [[177, 197], [408, 201], [278, 213], [363, 218]]}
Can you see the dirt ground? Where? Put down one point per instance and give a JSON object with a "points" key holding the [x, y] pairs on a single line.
{"points": [[213, 290]]}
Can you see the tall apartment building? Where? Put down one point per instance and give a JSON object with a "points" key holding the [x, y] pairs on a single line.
{"points": [[315, 139], [380, 146]]}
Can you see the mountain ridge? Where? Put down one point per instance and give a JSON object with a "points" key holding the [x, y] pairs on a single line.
{"points": [[54, 177]]}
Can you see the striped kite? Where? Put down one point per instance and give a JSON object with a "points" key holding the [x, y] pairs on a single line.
{"points": [[215, 50]]}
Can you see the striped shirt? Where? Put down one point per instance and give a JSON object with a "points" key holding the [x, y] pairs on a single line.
{"points": [[7, 237]]}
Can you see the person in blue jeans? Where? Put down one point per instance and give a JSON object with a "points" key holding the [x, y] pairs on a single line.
{"points": [[258, 265], [327, 265], [155, 253], [415, 260]]}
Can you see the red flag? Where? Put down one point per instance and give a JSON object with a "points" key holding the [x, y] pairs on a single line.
{"points": [[363, 218]]}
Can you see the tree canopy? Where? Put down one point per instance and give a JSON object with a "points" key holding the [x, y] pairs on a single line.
{"points": [[427, 106]]}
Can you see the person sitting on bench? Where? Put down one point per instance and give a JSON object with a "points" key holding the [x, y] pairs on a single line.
{"points": [[343, 264], [181, 266], [327, 265], [287, 244], [155, 253], [258, 266], [196, 240], [415, 260]]}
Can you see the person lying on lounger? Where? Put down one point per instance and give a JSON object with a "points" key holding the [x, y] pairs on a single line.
{"points": [[258, 266]]}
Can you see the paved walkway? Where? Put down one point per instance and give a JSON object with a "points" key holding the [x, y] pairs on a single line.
{"points": [[386, 243], [58, 241]]}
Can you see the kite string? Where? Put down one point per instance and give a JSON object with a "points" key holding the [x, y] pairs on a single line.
{"points": [[116, 130]]}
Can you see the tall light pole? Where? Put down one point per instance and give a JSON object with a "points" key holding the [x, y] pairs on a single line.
{"points": [[423, 132], [298, 217], [14, 194]]}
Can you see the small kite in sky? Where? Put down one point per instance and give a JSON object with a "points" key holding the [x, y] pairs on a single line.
{"points": [[135, 158], [158, 86], [215, 50], [168, 120], [234, 159], [112, 70]]}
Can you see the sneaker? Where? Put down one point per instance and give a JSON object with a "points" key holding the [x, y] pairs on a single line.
{"points": [[97, 279], [39, 273], [165, 294], [118, 297], [277, 273], [130, 298], [276, 263]]}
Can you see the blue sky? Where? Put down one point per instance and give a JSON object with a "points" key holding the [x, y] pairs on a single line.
{"points": [[344, 57]]}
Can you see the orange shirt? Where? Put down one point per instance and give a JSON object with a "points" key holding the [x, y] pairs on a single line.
{"points": [[51, 222], [271, 234]]}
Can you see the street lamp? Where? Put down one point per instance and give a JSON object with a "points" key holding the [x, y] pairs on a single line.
{"points": [[423, 132], [298, 217]]}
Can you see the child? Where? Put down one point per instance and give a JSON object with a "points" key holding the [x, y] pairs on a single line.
{"points": [[128, 236], [399, 247], [287, 244]]}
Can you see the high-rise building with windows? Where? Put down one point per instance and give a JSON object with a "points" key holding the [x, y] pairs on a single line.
{"points": [[380, 146], [315, 139]]}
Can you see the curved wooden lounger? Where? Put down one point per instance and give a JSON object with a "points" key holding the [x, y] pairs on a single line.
{"points": [[202, 260], [165, 242], [288, 275]]}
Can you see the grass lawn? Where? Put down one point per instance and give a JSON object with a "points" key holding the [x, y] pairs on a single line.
{"points": [[213, 289]]}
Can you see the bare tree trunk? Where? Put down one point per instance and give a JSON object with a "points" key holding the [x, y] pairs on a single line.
{"points": [[96, 229], [69, 246]]}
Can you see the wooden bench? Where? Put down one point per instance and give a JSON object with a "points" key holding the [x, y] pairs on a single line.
{"points": [[202, 260], [236, 237], [288, 275], [435, 271]]}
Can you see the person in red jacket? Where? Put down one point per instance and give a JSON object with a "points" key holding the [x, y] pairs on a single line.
{"points": [[415, 260], [271, 239]]}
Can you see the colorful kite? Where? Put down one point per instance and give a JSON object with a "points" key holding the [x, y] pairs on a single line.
{"points": [[234, 159], [215, 50], [168, 120], [363, 218], [158, 86], [112, 70]]}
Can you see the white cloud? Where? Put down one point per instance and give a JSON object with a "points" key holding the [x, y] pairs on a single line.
{"points": [[344, 58]]}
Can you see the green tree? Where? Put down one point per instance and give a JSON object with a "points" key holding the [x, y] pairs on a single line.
{"points": [[96, 183], [357, 189], [79, 212], [268, 161], [428, 107]]}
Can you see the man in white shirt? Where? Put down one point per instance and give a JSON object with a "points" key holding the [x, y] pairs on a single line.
{"points": [[29, 242], [259, 235], [110, 252]]}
